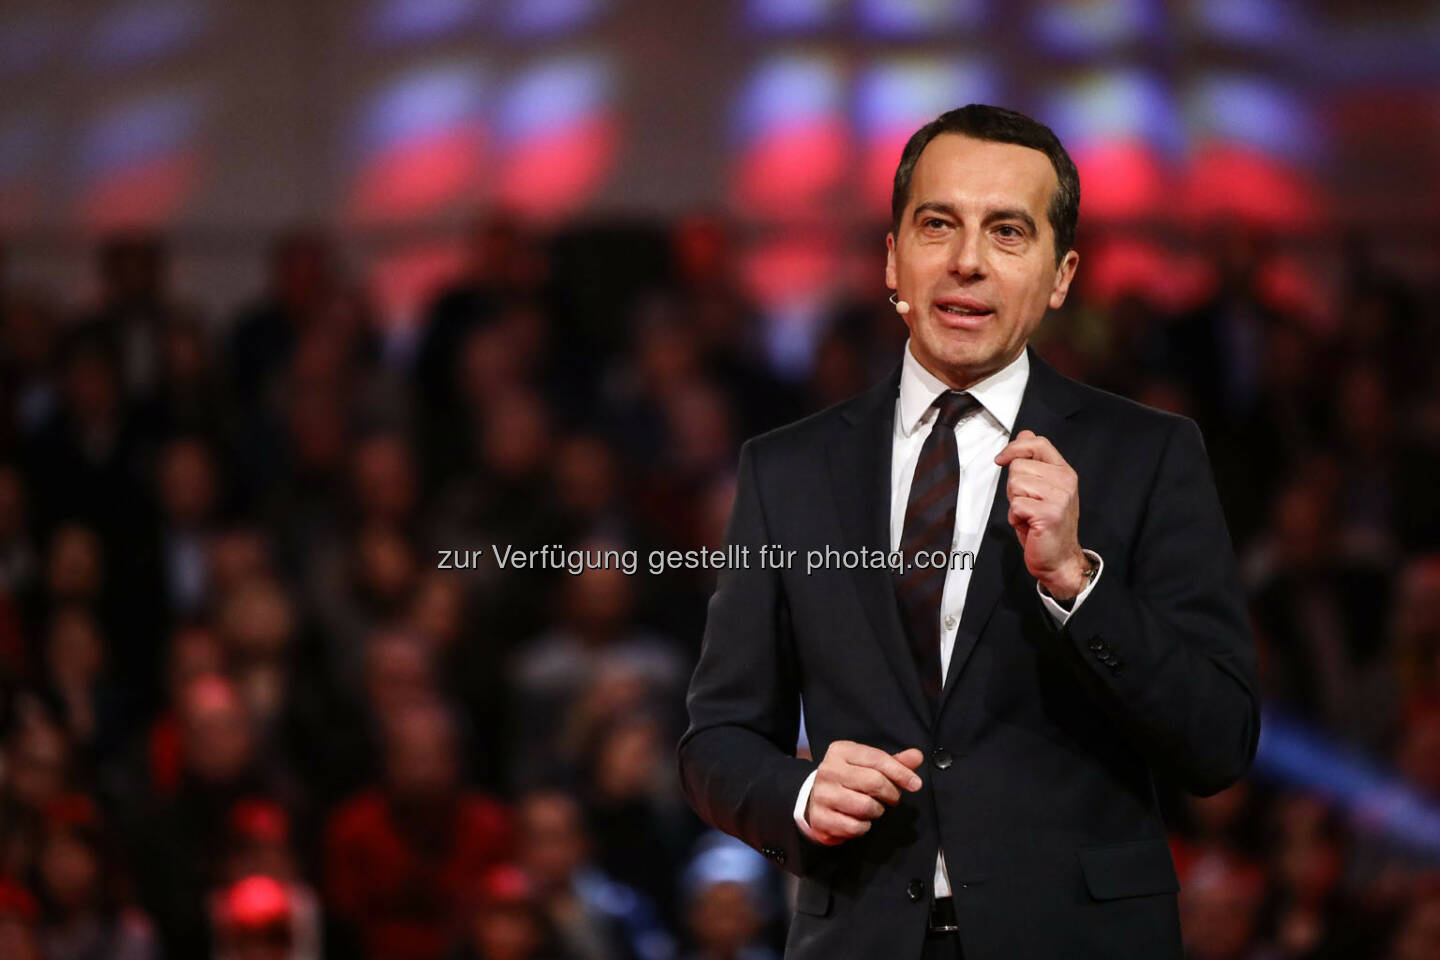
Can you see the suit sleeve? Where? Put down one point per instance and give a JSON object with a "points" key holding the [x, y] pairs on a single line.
{"points": [[737, 759], [1168, 652]]}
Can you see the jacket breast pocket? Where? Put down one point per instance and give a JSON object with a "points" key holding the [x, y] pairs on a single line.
{"points": [[1135, 869], [813, 897]]}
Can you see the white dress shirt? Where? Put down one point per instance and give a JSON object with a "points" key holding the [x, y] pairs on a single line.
{"points": [[980, 437]]}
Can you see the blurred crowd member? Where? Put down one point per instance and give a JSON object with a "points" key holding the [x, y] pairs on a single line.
{"points": [[81, 892], [77, 687], [29, 391], [194, 652], [301, 283], [384, 488], [507, 921], [83, 462], [260, 846], [238, 552], [135, 304], [726, 896], [74, 568], [254, 920], [1226, 823], [19, 572], [18, 913], [1129, 346], [188, 399], [178, 841], [1320, 612], [1225, 354], [37, 772], [1220, 346], [588, 493], [1369, 454], [663, 361], [441, 619], [1220, 901], [360, 572], [403, 857], [501, 492], [701, 442], [595, 639], [268, 658], [505, 265], [188, 496], [708, 292], [640, 829], [596, 918], [1417, 753], [19, 558], [1416, 624], [837, 373], [1309, 916], [396, 673], [83, 468], [1418, 936]]}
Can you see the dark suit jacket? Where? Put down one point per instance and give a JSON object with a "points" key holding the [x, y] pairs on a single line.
{"points": [[1039, 780]]}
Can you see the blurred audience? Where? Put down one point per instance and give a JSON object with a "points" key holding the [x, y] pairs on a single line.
{"points": [[245, 713], [402, 857]]}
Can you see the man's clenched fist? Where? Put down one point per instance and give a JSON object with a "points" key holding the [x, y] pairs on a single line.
{"points": [[853, 785], [1044, 498]]}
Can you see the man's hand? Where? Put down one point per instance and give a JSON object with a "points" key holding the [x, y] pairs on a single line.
{"points": [[1044, 496], [854, 784]]}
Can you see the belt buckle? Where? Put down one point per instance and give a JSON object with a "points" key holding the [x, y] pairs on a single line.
{"points": [[942, 916]]}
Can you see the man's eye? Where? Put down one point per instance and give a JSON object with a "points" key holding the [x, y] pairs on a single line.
{"points": [[1013, 233], [933, 223]]}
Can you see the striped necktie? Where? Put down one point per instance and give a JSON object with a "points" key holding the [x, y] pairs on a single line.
{"points": [[929, 528]]}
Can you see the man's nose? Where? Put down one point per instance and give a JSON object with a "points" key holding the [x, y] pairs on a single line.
{"points": [[968, 257]]}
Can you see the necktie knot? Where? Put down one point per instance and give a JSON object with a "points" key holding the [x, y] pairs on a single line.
{"points": [[953, 405]]}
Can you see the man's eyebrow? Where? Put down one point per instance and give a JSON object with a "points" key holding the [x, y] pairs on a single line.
{"points": [[936, 206]]}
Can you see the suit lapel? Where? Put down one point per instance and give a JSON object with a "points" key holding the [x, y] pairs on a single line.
{"points": [[860, 474], [859, 460], [1048, 401]]}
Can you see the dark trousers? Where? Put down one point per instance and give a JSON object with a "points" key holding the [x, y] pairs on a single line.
{"points": [[941, 946]]}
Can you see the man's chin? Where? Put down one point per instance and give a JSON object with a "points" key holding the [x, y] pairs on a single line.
{"points": [[966, 361], [965, 355]]}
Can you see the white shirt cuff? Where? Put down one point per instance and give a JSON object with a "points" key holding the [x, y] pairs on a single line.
{"points": [[1058, 613], [801, 802]]}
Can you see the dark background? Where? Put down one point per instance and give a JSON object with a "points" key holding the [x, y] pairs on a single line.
{"points": [[295, 295]]}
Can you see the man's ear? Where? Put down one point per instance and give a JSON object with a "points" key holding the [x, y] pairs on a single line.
{"points": [[1063, 275], [891, 280]]}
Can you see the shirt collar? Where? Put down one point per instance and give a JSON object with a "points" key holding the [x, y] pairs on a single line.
{"points": [[1000, 393]]}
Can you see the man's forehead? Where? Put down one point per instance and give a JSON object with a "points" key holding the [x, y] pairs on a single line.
{"points": [[957, 169]]}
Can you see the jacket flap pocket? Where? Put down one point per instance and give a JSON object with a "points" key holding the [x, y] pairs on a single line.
{"points": [[1129, 869], [813, 897]]}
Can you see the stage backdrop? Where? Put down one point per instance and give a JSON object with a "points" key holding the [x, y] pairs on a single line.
{"points": [[223, 120]]}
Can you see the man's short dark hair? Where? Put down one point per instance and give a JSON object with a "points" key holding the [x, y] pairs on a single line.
{"points": [[998, 125]]}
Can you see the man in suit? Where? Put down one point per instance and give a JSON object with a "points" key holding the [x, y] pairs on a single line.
{"points": [[1098, 641]]}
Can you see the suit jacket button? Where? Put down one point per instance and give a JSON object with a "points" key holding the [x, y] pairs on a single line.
{"points": [[779, 856], [941, 758], [1097, 645], [915, 889]]}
